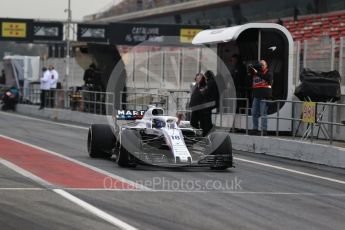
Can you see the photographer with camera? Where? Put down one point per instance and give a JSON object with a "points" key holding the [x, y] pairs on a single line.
{"points": [[262, 90]]}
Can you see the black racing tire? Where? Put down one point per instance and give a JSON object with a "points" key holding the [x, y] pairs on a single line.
{"points": [[130, 142], [100, 141], [125, 159], [220, 144]]}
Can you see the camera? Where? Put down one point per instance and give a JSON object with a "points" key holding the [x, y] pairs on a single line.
{"points": [[253, 68]]}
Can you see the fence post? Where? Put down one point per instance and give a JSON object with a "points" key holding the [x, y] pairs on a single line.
{"points": [[234, 116], [305, 53], [247, 114], [221, 109], [312, 132], [199, 60], [162, 68], [341, 56], [298, 60], [277, 128], [261, 119], [147, 69], [293, 120], [133, 66], [180, 69], [332, 53], [331, 125], [94, 103]]}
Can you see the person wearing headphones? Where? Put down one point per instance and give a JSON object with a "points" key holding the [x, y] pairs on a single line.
{"points": [[262, 90]]}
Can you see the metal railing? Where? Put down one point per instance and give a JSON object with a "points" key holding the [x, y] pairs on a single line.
{"points": [[327, 124], [232, 106], [141, 100], [324, 115], [182, 104], [78, 100], [96, 102], [326, 127]]}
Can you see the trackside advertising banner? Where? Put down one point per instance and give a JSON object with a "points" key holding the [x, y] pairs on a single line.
{"points": [[47, 31], [27, 30], [155, 34], [15, 29], [92, 33]]}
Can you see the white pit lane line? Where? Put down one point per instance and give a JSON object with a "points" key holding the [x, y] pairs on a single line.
{"points": [[290, 170], [96, 211], [88, 207]]}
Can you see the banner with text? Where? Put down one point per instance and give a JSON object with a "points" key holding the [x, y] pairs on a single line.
{"points": [[92, 33], [47, 31], [155, 34], [15, 29]]}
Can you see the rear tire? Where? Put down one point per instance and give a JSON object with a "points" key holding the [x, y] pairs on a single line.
{"points": [[100, 141]]}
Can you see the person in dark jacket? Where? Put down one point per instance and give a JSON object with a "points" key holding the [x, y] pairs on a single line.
{"points": [[3, 77], [262, 90], [89, 74], [197, 101], [10, 99], [211, 99]]}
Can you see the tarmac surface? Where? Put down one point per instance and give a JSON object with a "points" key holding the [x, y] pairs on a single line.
{"points": [[48, 181]]}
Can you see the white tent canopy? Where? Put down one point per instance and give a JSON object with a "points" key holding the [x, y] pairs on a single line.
{"points": [[20, 71], [20, 68]]}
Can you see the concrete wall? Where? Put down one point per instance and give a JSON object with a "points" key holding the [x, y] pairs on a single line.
{"points": [[291, 149], [62, 115]]}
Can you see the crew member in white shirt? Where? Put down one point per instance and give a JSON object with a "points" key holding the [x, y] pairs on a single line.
{"points": [[54, 77], [45, 86]]}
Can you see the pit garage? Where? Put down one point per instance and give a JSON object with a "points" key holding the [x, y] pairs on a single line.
{"points": [[253, 42]]}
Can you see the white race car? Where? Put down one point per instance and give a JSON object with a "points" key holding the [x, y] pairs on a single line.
{"points": [[157, 139]]}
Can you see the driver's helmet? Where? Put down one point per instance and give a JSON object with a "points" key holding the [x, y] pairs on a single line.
{"points": [[156, 123]]}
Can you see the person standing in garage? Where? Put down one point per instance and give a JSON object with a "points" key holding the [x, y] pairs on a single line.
{"points": [[197, 101], [262, 90], [45, 86], [53, 79], [211, 99]]}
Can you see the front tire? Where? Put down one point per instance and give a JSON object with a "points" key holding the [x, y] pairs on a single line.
{"points": [[124, 159], [220, 144], [130, 142]]}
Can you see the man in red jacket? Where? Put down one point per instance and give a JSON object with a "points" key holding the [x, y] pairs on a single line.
{"points": [[262, 90]]}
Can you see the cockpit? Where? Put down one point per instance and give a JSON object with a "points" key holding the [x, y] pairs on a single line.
{"points": [[158, 124]]}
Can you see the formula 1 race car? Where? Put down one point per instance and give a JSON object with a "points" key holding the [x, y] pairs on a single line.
{"points": [[157, 139]]}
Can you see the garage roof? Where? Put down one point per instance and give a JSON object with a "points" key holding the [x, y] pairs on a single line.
{"points": [[231, 33]]}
